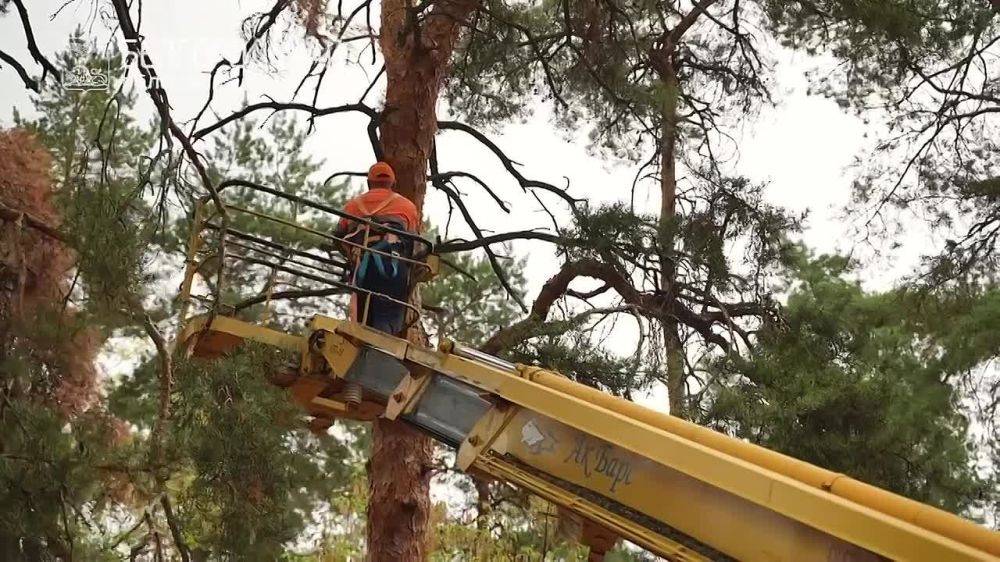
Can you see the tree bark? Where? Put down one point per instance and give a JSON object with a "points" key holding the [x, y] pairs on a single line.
{"points": [[674, 349], [416, 59]]}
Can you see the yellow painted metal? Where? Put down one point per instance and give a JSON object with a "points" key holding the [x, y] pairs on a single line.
{"points": [[433, 263], [333, 406], [727, 522], [484, 434], [406, 395], [630, 530], [243, 330], [781, 485], [393, 346], [308, 388], [858, 524], [916, 513], [339, 353], [191, 262]]}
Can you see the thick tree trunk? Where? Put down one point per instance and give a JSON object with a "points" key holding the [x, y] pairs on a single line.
{"points": [[674, 350], [399, 493], [416, 64]]}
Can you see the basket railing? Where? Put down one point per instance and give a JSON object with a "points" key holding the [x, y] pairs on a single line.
{"points": [[215, 246]]}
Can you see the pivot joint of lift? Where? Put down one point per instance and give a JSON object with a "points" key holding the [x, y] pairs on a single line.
{"points": [[407, 393], [484, 433]]}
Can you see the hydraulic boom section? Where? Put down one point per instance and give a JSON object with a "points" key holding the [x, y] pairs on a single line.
{"points": [[681, 491]]}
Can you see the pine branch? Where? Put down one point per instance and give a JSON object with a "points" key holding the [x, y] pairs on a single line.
{"points": [[264, 24], [6, 213], [278, 106], [166, 378], [175, 529], [555, 288], [687, 21], [509, 164], [453, 246], [654, 305]]}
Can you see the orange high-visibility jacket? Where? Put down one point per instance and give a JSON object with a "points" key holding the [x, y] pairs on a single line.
{"points": [[382, 203]]}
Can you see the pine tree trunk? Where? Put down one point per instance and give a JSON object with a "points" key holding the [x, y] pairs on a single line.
{"points": [[416, 64], [674, 350]]}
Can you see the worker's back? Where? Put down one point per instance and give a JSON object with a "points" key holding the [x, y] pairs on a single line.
{"points": [[380, 268], [384, 203]]}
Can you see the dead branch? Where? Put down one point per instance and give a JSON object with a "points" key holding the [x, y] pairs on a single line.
{"points": [[29, 82], [8, 214], [471, 222], [448, 176], [453, 246], [509, 164], [264, 24], [278, 106], [47, 66], [159, 98]]}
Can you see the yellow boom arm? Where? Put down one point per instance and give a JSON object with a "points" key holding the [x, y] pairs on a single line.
{"points": [[680, 490]]}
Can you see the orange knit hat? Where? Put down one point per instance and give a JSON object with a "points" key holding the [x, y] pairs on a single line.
{"points": [[381, 174]]}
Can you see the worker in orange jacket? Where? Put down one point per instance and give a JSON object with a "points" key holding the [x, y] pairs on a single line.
{"points": [[378, 273]]}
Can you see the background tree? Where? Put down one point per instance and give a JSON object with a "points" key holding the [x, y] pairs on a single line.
{"points": [[862, 383], [662, 85], [928, 72], [64, 460]]}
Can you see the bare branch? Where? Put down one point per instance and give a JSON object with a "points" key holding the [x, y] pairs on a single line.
{"points": [[289, 295], [29, 82], [448, 176], [509, 164], [47, 66], [469, 220], [159, 98], [452, 246], [278, 106]]}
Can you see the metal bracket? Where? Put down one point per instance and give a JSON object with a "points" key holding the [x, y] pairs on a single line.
{"points": [[484, 434], [339, 352], [408, 392], [333, 406]]}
